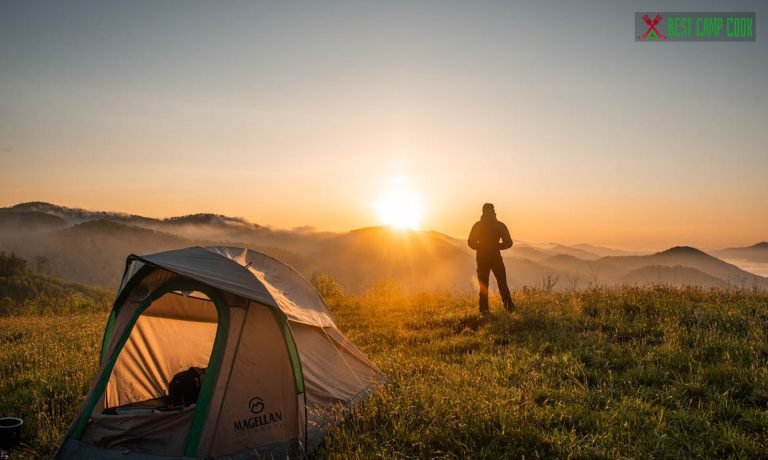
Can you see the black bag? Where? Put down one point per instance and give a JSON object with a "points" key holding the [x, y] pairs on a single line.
{"points": [[184, 387]]}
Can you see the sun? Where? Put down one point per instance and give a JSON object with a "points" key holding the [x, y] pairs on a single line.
{"points": [[400, 207]]}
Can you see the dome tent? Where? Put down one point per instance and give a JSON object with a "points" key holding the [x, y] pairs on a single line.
{"points": [[274, 362]]}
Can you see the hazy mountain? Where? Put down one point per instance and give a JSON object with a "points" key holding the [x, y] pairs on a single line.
{"points": [[75, 215], [94, 252], [568, 263], [755, 253], [526, 272], [418, 260], [686, 256], [601, 251], [198, 227], [527, 252], [91, 247], [676, 266], [673, 276], [30, 221], [575, 252], [581, 251], [569, 271], [91, 252]]}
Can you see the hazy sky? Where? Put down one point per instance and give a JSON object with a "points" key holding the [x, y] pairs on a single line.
{"points": [[292, 114]]}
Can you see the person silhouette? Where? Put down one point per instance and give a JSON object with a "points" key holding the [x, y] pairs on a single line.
{"points": [[488, 238]]}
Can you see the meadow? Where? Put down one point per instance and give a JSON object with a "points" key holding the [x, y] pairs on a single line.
{"points": [[628, 372]]}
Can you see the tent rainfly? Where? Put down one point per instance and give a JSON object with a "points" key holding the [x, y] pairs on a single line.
{"points": [[269, 363]]}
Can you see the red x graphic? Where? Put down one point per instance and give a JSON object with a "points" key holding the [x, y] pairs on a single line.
{"points": [[652, 27]]}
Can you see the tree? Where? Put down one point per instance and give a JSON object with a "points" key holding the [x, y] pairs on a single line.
{"points": [[326, 285], [43, 264], [12, 265]]}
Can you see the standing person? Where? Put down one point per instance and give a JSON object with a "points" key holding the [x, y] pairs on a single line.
{"points": [[489, 237]]}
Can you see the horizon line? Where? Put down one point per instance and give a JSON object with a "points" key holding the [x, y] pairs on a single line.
{"points": [[308, 228]]}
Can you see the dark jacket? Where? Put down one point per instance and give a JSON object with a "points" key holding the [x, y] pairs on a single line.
{"points": [[485, 235]]}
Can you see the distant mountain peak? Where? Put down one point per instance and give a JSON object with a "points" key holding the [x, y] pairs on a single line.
{"points": [[35, 206], [760, 245], [79, 215], [71, 215], [209, 219], [684, 250], [564, 257]]}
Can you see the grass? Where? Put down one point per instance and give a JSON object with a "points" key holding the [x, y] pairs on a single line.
{"points": [[603, 373], [46, 366]]}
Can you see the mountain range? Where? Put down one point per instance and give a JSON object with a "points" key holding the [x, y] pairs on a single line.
{"points": [[91, 246]]}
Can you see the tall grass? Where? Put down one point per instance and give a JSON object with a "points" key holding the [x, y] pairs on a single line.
{"points": [[46, 366], [603, 373]]}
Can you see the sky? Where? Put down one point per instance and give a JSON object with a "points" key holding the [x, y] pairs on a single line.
{"points": [[308, 113]]}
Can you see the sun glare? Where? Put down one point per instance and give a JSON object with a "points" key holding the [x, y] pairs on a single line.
{"points": [[400, 207]]}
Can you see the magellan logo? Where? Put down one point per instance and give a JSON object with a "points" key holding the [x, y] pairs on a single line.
{"points": [[261, 420], [256, 405]]}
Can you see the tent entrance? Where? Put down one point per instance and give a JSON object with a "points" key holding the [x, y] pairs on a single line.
{"points": [[180, 327], [176, 333]]}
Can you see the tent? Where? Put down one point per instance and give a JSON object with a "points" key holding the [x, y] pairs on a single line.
{"points": [[276, 368]]}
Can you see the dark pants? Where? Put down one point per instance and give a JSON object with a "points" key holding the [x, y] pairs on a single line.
{"points": [[495, 264]]}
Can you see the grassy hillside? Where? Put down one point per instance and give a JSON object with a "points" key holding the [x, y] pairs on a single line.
{"points": [[25, 291], [629, 373], [606, 373]]}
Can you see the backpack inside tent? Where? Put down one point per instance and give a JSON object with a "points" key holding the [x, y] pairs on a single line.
{"points": [[216, 352]]}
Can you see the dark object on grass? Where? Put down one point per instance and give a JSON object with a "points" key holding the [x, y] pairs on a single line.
{"points": [[10, 433]]}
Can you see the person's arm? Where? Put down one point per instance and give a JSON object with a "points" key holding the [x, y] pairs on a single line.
{"points": [[472, 241], [506, 239]]}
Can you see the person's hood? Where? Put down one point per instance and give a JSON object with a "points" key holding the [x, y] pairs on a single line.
{"points": [[488, 217]]}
